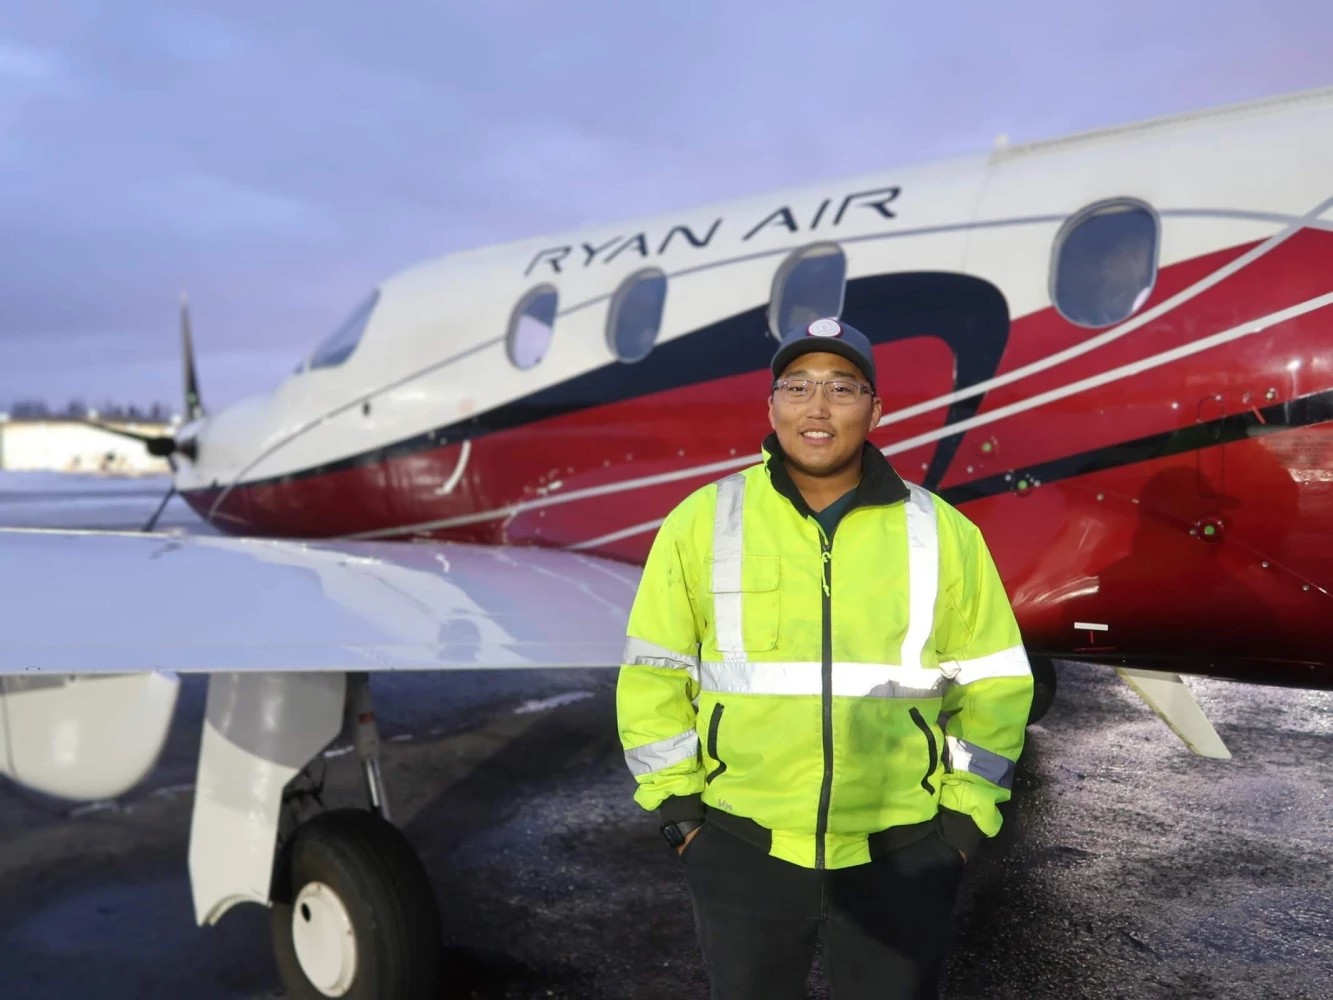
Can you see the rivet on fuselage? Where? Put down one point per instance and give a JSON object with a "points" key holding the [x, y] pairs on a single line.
{"points": [[1264, 564], [1270, 395]]}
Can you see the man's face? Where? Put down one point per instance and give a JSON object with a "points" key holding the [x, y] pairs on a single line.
{"points": [[822, 438]]}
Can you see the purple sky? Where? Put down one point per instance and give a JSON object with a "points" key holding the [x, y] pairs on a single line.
{"points": [[277, 159]]}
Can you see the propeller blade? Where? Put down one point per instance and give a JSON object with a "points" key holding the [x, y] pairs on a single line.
{"points": [[157, 444], [119, 431], [165, 446], [152, 521], [160, 446], [194, 407]]}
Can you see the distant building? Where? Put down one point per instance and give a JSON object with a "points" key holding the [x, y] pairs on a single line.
{"points": [[61, 445]]}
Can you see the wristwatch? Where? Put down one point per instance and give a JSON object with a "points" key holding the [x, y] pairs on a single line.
{"points": [[675, 833]]}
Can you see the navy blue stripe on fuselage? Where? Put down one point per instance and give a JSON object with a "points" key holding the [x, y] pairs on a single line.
{"points": [[967, 313], [1304, 411]]}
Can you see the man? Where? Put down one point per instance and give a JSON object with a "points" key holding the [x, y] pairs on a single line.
{"points": [[801, 632]]}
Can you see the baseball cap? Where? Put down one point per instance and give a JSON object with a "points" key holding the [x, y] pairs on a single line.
{"points": [[827, 336]]}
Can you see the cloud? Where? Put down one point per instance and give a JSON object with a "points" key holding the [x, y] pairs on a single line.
{"points": [[212, 207], [27, 65], [27, 74], [279, 159]]}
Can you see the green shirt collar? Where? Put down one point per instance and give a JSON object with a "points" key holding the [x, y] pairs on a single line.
{"points": [[880, 485]]}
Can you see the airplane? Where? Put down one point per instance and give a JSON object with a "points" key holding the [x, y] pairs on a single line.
{"points": [[1110, 351]]}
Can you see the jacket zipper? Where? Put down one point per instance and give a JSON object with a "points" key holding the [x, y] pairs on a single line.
{"points": [[713, 722], [930, 745], [826, 788]]}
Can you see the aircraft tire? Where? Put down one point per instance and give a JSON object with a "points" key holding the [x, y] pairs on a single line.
{"points": [[1043, 687], [354, 915]]}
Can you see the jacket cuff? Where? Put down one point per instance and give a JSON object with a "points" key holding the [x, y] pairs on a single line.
{"points": [[675, 808], [960, 832]]}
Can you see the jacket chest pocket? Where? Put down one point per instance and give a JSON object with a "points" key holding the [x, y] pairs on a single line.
{"points": [[745, 603]]}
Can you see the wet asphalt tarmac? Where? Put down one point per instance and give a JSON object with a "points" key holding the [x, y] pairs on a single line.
{"points": [[1127, 868]]}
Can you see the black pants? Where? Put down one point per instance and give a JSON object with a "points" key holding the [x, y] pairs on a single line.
{"points": [[885, 928]]}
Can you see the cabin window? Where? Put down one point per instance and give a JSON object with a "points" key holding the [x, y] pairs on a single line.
{"points": [[338, 346], [808, 286], [635, 317], [1105, 263], [531, 327]]}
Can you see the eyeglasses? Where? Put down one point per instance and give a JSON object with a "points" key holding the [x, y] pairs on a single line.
{"points": [[837, 391]]}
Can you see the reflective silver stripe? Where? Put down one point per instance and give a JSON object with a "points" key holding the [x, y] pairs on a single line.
{"points": [[1011, 662], [655, 756], [728, 527], [965, 756], [851, 680], [923, 573], [641, 653]]}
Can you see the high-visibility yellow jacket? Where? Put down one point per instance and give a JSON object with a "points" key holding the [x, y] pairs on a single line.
{"points": [[801, 684]]}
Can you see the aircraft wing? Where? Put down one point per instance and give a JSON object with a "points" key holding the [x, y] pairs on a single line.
{"points": [[101, 602]]}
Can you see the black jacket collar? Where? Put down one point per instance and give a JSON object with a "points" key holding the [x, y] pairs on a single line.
{"points": [[880, 486]]}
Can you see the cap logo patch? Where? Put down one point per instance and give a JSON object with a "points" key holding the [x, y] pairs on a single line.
{"points": [[824, 328]]}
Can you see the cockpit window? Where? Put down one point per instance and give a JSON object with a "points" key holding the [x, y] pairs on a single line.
{"points": [[809, 285], [532, 326], [1105, 263], [338, 346]]}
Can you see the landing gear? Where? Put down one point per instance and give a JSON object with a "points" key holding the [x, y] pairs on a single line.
{"points": [[1043, 687], [353, 912]]}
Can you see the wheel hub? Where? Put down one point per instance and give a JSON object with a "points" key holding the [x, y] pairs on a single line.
{"points": [[324, 939]]}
